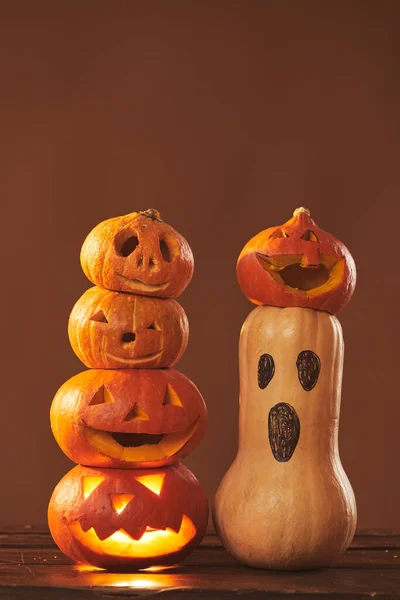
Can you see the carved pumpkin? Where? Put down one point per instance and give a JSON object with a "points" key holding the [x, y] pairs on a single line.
{"points": [[116, 330], [138, 253], [297, 264], [120, 519], [128, 418], [286, 502]]}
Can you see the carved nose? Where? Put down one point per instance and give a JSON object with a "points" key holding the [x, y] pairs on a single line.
{"points": [[128, 337], [311, 257], [148, 263]]}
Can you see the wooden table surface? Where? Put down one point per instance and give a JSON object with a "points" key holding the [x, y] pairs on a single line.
{"points": [[32, 567]]}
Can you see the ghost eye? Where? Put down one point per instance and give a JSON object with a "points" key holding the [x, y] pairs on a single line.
{"points": [[165, 251], [308, 367], [266, 370]]}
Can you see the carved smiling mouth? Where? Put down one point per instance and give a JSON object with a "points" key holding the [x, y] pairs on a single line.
{"points": [[132, 361], [139, 447], [289, 272], [137, 284]]}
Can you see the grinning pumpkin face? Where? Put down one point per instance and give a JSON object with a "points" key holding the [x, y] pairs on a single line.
{"points": [[297, 264], [111, 330], [113, 518], [138, 253], [128, 418]]}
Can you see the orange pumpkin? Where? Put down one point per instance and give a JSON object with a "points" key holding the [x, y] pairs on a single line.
{"points": [[297, 264], [112, 330], [138, 253], [125, 519], [128, 418]]}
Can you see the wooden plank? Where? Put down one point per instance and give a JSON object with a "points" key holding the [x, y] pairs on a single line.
{"points": [[212, 557], [211, 582], [35, 538]]}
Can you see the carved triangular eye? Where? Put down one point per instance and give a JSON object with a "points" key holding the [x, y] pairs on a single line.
{"points": [[99, 317], [152, 326], [102, 396], [278, 233], [136, 414], [309, 236], [152, 482], [120, 501], [171, 397], [89, 484]]}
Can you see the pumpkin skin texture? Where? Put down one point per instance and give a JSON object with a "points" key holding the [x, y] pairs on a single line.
{"points": [[128, 418], [128, 519], [138, 253], [111, 330], [297, 264], [286, 502]]}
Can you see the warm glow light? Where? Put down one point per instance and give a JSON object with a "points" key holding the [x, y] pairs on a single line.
{"points": [[120, 501], [89, 484], [152, 543], [152, 482]]}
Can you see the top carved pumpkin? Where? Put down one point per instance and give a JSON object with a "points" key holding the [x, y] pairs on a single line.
{"points": [[297, 264], [138, 253]]}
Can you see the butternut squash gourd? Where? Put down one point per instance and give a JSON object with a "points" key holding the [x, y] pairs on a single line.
{"points": [[286, 502]]}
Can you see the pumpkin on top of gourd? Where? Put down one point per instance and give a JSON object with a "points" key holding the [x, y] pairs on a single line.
{"points": [[138, 253], [297, 264], [115, 330], [128, 519]]}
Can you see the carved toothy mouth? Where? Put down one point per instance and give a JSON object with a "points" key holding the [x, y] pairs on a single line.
{"points": [[289, 272], [132, 361], [154, 542], [139, 447], [137, 284]]}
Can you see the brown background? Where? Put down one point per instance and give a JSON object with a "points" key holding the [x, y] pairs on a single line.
{"points": [[225, 116]]}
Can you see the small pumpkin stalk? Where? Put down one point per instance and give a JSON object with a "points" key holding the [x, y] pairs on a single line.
{"points": [[131, 417], [286, 502]]}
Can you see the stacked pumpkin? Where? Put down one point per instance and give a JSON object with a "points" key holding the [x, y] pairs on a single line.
{"points": [[286, 502], [131, 417]]}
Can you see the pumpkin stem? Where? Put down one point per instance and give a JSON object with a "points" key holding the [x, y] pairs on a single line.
{"points": [[151, 213], [301, 210]]}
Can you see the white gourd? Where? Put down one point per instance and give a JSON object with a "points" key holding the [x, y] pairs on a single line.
{"points": [[295, 510]]}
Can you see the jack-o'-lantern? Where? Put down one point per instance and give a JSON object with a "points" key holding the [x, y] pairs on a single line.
{"points": [[115, 330], [138, 253], [128, 519], [128, 418], [297, 264]]}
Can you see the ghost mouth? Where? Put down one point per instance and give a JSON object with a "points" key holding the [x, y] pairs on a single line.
{"points": [[291, 273], [139, 447], [139, 285]]}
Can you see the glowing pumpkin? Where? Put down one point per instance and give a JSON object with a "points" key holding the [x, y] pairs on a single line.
{"points": [[116, 330], [138, 253], [128, 519], [297, 264], [128, 418]]}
